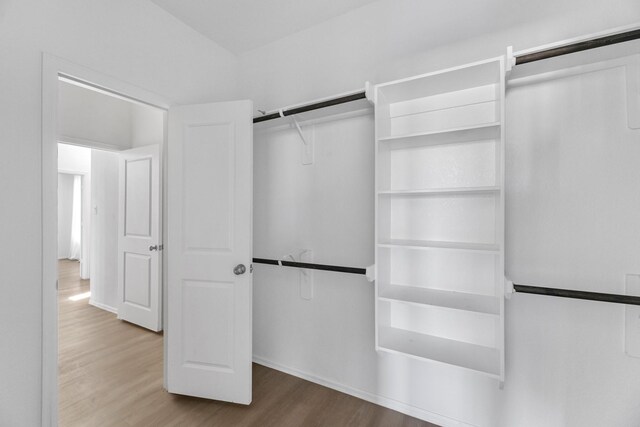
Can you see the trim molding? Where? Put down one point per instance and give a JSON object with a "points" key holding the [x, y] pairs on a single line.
{"points": [[395, 405], [103, 306], [84, 142]]}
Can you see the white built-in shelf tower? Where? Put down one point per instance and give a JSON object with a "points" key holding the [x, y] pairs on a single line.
{"points": [[440, 217]]}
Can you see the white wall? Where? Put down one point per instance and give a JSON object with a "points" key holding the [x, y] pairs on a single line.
{"points": [[570, 215], [77, 160], [390, 39], [571, 223], [65, 205], [134, 41], [93, 118], [104, 229], [74, 159], [147, 126]]}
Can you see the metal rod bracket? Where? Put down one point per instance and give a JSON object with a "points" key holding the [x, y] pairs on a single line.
{"points": [[511, 60], [371, 273], [368, 92], [508, 288]]}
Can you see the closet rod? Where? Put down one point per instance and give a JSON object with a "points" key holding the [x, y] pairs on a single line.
{"points": [[578, 47], [310, 107], [324, 267], [567, 293]]}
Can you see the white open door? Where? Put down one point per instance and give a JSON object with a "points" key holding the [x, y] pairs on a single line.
{"points": [[209, 250], [139, 238]]}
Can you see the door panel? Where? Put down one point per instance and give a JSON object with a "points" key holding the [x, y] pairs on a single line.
{"points": [[138, 194], [209, 152], [210, 232], [206, 346], [139, 242], [137, 269]]}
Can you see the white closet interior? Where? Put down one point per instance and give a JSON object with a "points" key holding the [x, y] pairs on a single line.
{"points": [[440, 216]]}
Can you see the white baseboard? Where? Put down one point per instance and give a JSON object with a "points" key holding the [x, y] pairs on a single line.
{"points": [[103, 306], [410, 410]]}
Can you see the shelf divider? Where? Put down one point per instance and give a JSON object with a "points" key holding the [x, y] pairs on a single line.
{"points": [[430, 244], [486, 304], [449, 135], [458, 353], [440, 191]]}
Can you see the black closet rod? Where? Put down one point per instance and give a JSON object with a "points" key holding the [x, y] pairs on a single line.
{"points": [[567, 293], [524, 289], [312, 266], [309, 107], [578, 47]]}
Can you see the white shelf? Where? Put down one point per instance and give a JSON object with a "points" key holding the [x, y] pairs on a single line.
{"points": [[458, 353], [447, 136], [440, 191], [442, 81], [427, 244], [485, 94], [440, 298]]}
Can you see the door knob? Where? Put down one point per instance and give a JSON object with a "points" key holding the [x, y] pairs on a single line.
{"points": [[153, 248], [239, 269]]}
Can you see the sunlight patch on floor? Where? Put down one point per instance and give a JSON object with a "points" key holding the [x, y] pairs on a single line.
{"points": [[79, 297]]}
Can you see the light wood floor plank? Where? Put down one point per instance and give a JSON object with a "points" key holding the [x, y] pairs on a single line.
{"points": [[110, 374]]}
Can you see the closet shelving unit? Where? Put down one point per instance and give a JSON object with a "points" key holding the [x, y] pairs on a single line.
{"points": [[440, 216]]}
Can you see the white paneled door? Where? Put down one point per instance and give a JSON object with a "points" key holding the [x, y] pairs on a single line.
{"points": [[140, 241], [209, 250]]}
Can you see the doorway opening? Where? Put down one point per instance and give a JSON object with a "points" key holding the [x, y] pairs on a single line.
{"points": [[91, 136]]}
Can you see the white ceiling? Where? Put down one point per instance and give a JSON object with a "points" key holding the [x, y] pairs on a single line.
{"points": [[242, 25]]}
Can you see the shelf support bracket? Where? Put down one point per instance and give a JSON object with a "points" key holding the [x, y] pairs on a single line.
{"points": [[295, 122], [307, 144]]}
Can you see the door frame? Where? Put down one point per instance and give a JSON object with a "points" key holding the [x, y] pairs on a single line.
{"points": [[54, 68]]}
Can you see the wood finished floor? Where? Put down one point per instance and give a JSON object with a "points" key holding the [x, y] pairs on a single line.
{"points": [[110, 374]]}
